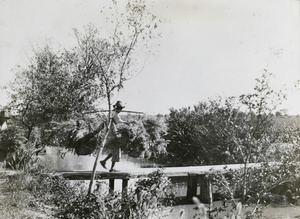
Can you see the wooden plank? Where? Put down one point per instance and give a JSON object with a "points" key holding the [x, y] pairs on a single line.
{"points": [[86, 175], [143, 172]]}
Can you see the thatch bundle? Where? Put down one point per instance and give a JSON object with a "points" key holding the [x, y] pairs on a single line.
{"points": [[87, 144], [132, 141], [81, 135], [141, 138]]}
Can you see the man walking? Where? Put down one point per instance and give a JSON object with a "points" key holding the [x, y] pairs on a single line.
{"points": [[115, 151]]}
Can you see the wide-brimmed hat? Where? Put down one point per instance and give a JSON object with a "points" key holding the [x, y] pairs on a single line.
{"points": [[119, 105]]}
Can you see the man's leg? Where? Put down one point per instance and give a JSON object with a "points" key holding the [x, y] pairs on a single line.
{"points": [[112, 166], [103, 162], [116, 155]]}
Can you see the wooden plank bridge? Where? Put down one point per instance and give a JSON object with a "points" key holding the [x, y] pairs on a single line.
{"points": [[195, 175]]}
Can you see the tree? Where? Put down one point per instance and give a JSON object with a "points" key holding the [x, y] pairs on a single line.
{"points": [[110, 60], [219, 131], [204, 135], [262, 104], [47, 92], [61, 87], [264, 142], [260, 125]]}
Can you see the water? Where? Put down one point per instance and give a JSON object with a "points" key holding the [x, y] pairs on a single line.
{"points": [[73, 162], [271, 212]]}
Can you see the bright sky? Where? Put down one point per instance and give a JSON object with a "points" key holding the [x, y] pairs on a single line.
{"points": [[208, 47]]}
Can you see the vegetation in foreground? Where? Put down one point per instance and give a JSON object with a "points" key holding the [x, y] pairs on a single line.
{"points": [[36, 195]]}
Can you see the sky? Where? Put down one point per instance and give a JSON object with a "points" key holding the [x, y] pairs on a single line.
{"points": [[208, 48]]}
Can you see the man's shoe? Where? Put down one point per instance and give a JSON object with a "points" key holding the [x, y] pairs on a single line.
{"points": [[103, 163]]}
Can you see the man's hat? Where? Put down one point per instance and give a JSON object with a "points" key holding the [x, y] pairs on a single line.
{"points": [[119, 105]]}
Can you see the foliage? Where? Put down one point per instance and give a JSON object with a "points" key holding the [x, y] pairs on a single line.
{"points": [[234, 212], [110, 59], [144, 137], [49, 88], [61, 85], [224, 133], [44, 93], [38, 190], [276, 181], [219, 131], [21, 152], [147, 198], [259, 127], [22, 158], [89, 206], [231, 188], [157, 185], [12, 137], [260, 107], [206, 134]]}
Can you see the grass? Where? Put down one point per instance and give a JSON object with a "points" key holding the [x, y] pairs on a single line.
{"points": [[21, 204]]}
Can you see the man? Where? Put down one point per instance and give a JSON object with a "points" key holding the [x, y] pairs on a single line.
{"points": [[115, 152]]}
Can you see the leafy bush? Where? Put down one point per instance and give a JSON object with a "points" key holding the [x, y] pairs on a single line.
{"points": [[210, 133], [23, 158], [157, 185], [83, 206], [20, 150], [147, 198]]}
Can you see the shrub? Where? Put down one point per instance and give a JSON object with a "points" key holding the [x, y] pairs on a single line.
{"points": [[83, 206], [148, 198]]}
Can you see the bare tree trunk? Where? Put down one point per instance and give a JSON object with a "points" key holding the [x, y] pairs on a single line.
{"points": [[244, 184], [97, 158]]}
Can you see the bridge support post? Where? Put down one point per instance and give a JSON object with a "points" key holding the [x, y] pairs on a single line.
{"points": [[124, 185], [192, 185], [205, 190], [111, 185]]}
